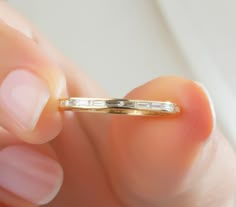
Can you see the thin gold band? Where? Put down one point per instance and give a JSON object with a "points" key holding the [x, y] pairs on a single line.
{"points": [[118, 106]]}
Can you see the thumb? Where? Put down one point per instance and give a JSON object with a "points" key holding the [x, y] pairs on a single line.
{"points": [[171, 161]]}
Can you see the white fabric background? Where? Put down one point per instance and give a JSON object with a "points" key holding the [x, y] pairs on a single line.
{"points": [[124, 43]]}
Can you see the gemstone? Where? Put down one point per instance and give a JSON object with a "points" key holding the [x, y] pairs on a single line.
{"points": [[84, 102], [156, 105], [115, 103], [72, 102], [119, 103], [79, 103], [168, 107], [143, 105], [98, 103]]}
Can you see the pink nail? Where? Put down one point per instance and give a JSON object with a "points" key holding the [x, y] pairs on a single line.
{"points": [[23, 97], [29, 174]]}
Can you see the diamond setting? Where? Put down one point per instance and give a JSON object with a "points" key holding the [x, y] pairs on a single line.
{"points": [[143, 105], [119, 106], [99, 103]]}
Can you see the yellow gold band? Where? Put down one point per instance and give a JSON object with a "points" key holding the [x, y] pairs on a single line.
{"points": [[118, 106]]}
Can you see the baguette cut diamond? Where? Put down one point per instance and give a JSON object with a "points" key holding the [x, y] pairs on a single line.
{"points": [[84, 103], [98, 103], [119, 103], [156, 105], [73, 102], [79, 102], [168, 106], [143, 105]]}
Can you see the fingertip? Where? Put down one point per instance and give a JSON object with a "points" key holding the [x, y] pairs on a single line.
{"points": [[29, 106], [198, 116], [30, 87], [150, 155], [211, 106], [50, 122]]}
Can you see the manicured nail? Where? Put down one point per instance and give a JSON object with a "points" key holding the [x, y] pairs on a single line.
{"points": [[29, 174], [23, 97], [210, 102]]}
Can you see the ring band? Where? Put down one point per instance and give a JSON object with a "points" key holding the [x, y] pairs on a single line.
{"points": [[118, 106]]}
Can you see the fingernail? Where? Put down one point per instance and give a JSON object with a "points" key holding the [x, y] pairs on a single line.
{"points": [[29, 174], [23, 97], [210, 103]]}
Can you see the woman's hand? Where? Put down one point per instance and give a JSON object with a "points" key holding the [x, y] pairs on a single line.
{"points": [[101, 160]]}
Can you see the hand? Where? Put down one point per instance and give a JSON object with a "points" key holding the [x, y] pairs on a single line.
{"points": [[101, 160]]}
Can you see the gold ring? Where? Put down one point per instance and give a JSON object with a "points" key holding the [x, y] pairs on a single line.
{"points": [[118, 106]]}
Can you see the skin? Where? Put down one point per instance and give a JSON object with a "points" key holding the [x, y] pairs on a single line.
{"points": [[113, 160]]}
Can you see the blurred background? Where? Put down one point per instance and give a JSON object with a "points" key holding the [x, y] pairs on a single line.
{"points": [[122, 44]]}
